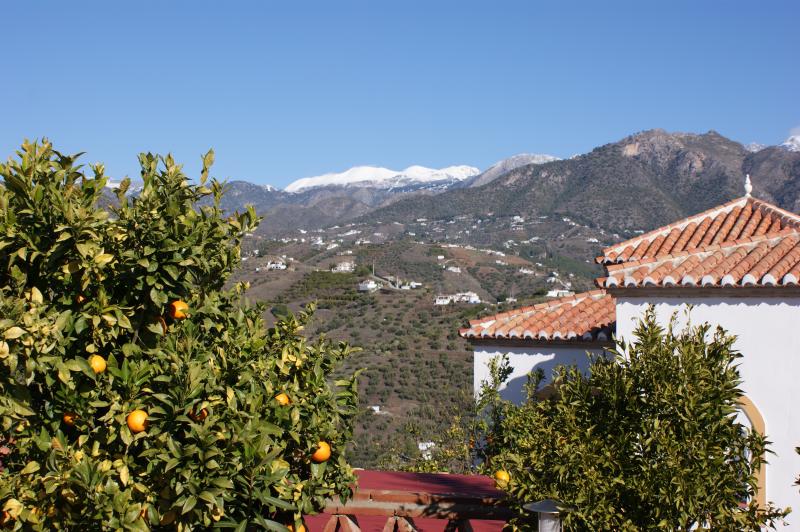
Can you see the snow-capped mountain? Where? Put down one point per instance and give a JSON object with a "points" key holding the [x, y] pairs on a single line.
{"points": [[384, 178], [506, 165], [792, 143], [754, 147]]}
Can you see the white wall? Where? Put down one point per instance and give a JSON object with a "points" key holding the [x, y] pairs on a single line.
{"points": [[523, 360], [768, 331]]}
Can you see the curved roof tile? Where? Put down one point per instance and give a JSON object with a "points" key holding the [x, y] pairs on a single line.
{"points": [[582, 317], [769, 260], [741, 218]]}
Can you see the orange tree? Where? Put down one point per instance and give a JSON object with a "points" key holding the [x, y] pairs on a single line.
{"points": [[135, 391]]}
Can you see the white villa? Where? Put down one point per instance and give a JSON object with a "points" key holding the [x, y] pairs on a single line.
{"points": [[462, 297], [737, 264], [368, 285], [344, 267], [560, 293], [276, 265]]}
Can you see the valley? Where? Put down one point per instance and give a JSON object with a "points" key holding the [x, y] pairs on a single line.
{"points": [[514, 238], [418, 371]]}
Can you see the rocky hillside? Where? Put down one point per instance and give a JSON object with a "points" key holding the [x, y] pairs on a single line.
{"points": [[640, 182], [503, 167]]}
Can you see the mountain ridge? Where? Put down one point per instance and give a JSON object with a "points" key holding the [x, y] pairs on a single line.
{"points": [[645, 179], [380, 177], [503, 166]]}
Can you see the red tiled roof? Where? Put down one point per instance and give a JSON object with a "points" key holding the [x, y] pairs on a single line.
{"points": [[417, 486], [587, 316], [771, 260], [745, 242], [741, 218]]}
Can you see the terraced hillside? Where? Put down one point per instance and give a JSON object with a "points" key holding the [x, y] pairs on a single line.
{"points": [[417, 370]]}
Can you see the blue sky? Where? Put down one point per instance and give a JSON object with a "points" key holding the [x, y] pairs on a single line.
{"points": [[283, 90]]}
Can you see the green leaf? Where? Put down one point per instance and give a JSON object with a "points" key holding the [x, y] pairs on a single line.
{"points": [[13, 333], [103, 259], [188, 506], [31, 467], [278, 503]]}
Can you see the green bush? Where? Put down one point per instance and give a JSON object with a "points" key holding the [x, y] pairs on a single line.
{"points": [[90, 334], [648, 440]]}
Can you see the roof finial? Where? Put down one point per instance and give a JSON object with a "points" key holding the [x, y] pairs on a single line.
{"points": [[748, 187]]}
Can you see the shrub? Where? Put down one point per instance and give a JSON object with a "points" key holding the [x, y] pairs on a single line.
{"points": [[90, 334], [649, 439]]}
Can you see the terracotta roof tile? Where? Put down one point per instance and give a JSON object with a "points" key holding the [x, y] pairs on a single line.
{"points": [[745, 242], [742, 218], [585, 316], [770, 260]]}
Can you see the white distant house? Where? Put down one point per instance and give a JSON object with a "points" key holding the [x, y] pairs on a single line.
{"points": [[526, 271], [368, 286], [344, 267], [276, 265], [462, 297], [454, 269], [560, 293], [737, 265]]}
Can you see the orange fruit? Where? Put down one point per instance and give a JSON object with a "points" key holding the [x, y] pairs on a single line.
{"points": [[502, 477], [80, 299], [69, 418], [300, 528], [98, 363], [178, 310], [198, 416], [322, 453], [282, 399], [137, 421]]}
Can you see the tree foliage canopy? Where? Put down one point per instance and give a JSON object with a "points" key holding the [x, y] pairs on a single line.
{"points": [[648, 439], [80, 281]]}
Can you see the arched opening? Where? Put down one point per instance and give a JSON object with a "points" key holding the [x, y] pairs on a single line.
{"points": [[756, 422]]}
